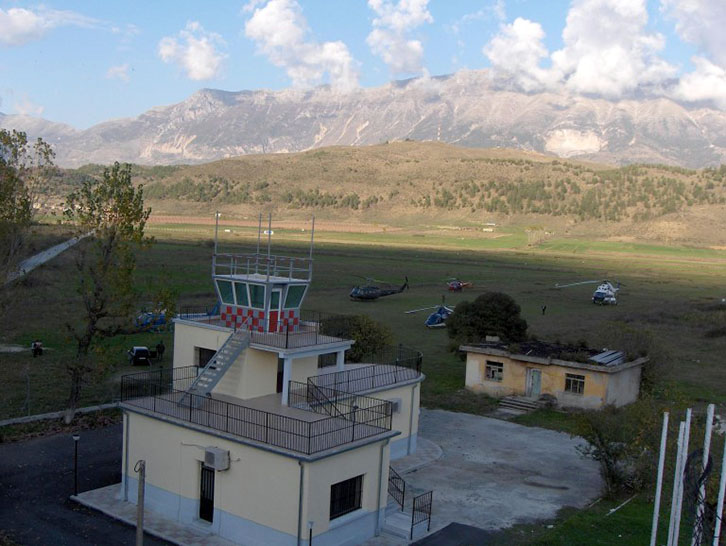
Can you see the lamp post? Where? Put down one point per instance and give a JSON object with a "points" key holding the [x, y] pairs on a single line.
{"points": [[310, 532], [76, 437], [216, 229]]}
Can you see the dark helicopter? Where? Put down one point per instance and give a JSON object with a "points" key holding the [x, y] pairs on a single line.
{"points": [[369, 292]]}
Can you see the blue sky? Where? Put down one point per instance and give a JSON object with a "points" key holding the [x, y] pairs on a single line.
{"points": [[85, 62]]}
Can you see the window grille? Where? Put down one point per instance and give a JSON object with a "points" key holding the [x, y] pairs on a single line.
{"points": [[345, 496]]}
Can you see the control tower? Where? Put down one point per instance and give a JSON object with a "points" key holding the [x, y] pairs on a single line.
{"points": [[262, 292]]}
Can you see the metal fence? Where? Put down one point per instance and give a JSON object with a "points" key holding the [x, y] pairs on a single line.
{"points": [[387, 367], [396, 487], [159, 392], [421, 511]]}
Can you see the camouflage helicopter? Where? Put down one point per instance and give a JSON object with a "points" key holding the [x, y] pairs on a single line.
{"points": [[370, 292]]}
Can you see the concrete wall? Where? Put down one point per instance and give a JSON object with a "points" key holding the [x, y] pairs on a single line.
{"points": [[302, 368], [257, 499], [514, 382], [321, 475], [624, 386], [405, 420], [187, 337]]}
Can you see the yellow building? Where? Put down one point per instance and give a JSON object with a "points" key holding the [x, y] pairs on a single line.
{"points": [[248, 438], [575, 377]]}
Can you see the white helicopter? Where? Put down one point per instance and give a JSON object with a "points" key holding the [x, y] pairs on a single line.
{"points": [[605, 294]]}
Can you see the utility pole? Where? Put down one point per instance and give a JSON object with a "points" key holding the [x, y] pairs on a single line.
{"points": [[141, 469]]}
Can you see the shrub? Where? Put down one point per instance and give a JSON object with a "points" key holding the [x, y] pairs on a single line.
{"points": [[491, 314]]}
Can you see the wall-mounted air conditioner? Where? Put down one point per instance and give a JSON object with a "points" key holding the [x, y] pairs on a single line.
{"points": [[216, 458]]}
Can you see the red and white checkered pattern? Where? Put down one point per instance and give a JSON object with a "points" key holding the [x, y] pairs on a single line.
{"points": [[289, 318], [243, 317]]}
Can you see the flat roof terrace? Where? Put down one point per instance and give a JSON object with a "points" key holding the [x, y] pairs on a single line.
{"points": [[310, 428]]}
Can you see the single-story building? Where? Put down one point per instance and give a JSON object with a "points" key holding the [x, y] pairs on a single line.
{"points": [[576, 377]]}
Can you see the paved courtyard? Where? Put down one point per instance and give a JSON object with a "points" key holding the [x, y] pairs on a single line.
{"points": [[493, 474]]}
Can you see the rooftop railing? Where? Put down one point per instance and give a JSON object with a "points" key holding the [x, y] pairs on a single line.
{"points": [[291, 268], [394, 364], [164, 392]]}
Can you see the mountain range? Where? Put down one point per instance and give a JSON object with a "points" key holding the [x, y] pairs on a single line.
{"points": [[464, 109]]}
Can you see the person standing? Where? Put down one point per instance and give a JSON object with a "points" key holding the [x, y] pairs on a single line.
{"points": [[160, 348]]}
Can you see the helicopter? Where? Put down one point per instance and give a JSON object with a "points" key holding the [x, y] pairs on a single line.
{"points": [[437, 319], [369, 292], [605, 294], [455, 285]]}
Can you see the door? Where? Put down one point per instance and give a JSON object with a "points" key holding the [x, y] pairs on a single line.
{"points": [[534, 383], [206, 494], [280, 374], [275, 301]]}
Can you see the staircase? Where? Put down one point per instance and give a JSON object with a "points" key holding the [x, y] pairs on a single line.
{"points": [[520, 404], [218, 365], [407, 515]]}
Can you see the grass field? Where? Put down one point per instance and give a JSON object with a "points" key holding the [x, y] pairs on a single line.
{"points": [[675, 294]]}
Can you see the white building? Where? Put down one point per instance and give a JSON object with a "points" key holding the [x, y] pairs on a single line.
{"points": [[248, 438]]}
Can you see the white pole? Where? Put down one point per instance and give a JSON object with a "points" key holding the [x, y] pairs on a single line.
{"points": [[674, 499], [698, 529], [684, 460], [659, 480], [719, 506], [216, 228]]}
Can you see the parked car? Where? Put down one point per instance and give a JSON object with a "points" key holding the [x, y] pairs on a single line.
{"points": [[139, 356]]}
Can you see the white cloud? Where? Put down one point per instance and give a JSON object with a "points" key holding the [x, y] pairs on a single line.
{"points": [[195, 51], [706, 83], [389, 37], [18, 26], [607, 52], [516, 53], [26, 107], [281, 33], [702, 23], [118, 72]]}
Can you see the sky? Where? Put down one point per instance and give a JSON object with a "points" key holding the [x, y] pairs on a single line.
{"points": [[84, 62]]}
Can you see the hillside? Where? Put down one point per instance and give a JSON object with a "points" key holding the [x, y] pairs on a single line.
{"points": [[463, 109], [409, 183]]}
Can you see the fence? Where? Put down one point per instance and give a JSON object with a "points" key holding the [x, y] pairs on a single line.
{"points": [[157, 392], [422, 511], [387, 367], [396, 487]]}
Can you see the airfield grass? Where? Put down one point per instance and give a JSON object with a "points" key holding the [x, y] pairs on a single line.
{"points": [[673, 294]]}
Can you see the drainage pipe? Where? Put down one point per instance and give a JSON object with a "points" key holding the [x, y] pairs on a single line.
{"points": [[300, 502], [380, 488]]}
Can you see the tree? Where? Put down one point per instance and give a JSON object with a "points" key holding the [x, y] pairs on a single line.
{"points": [[113, 209], [23, 169], [370, 337], [491, 314]]}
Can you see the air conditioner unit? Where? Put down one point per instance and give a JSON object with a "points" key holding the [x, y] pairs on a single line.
{"points": [[216, 458]]}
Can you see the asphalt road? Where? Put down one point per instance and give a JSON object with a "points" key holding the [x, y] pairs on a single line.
{"points": [[36, 479]]}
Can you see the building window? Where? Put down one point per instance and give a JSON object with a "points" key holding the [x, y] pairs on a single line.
{"points": [[295, 293], [225, 291], [494, 371], [257, 296], [240, 290], [345, 496], [203, 356], [574, 383]]}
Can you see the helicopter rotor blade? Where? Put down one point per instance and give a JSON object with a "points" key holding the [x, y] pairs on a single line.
{"points": [[576, 284], [422, 309]]}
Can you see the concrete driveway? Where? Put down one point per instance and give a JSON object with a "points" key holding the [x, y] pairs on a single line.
{"points": [[493, 474]]}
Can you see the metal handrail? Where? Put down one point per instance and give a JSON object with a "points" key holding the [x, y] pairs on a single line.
{"points": [[157, 391]]}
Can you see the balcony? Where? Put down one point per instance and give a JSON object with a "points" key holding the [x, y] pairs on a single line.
{"points": [[315, 328], [316, 424]]}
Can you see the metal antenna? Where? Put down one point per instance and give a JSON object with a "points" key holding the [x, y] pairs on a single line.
{"points": [[259, 233], [312, 241], [216, 229], [269, 237]]}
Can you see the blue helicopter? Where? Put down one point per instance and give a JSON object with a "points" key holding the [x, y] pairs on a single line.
{"points": [[437, 319]]}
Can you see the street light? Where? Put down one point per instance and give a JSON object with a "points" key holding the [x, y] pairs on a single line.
{"points": [[76, 437], [310, 532]]}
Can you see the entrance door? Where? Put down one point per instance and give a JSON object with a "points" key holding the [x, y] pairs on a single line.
{"points": [[534, 383], [206, 494], [275, 301]]}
